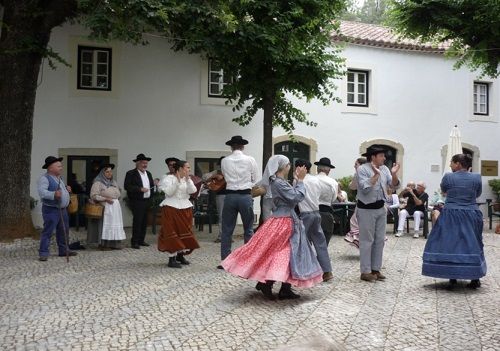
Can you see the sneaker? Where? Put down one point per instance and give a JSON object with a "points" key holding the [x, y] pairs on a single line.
{"points": [[416, 235], [368, 277], [399, 233], [43, 258]]}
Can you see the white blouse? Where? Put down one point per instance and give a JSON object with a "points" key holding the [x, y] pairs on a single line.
{"points": [[176, 192]]}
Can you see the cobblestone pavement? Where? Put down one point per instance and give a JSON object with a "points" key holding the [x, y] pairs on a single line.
{"points": [[130, 300]]}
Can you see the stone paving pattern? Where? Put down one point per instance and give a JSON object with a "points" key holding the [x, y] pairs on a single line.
{"points": [[130, 300]]}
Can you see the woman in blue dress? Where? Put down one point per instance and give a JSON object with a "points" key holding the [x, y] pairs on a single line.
{"points": [[454, 249]]}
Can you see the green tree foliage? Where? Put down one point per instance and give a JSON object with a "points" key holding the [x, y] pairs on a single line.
{"points": [[272, 49], [371, 11], [471, 26]]}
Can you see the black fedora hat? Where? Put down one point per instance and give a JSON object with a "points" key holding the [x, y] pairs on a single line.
{"points": [[237, 140], [324, 161], [108, 165], [373, 150], [50, 160], [170, 159], [141, 157]]}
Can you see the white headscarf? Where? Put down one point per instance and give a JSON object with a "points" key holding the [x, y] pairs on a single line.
{"points": [[275, 162]]}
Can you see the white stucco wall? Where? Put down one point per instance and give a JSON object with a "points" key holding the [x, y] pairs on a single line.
{"points": [[155, 108]]}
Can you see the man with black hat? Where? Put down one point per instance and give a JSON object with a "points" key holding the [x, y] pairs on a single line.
{"points": [[309, 214], [328, 195], [240, 172], [373, 179], [138, 183], [54, 195]]}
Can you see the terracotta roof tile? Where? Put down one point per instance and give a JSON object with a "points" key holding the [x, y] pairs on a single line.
{"points": [[380, 36]]}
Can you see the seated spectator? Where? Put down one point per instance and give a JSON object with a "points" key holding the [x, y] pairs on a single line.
{"points": [[402, 200], [392, 202], [436, 210], [415, 206], [341, 196]]}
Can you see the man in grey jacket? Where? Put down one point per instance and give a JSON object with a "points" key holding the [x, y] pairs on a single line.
{"points": [[373, 179]]}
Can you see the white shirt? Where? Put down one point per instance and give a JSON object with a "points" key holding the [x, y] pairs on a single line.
{"points": [[328, 189], [176, 191], [239, 170], [311, 199], [145, 183]]}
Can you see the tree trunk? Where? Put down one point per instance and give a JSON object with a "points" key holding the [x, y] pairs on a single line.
{"points": [[23, 42], [267, 151]]}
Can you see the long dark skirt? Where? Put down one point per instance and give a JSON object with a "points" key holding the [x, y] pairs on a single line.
{"points": [[454, 249], [176, 230]]}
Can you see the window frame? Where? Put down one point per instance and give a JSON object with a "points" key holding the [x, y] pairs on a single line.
{"points": [[221, 83], [95, 51], [474, 111], [357, 72]]}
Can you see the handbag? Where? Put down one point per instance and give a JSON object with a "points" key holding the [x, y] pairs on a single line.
{"points": [[258, 190], [93, 210], [73, 204]]}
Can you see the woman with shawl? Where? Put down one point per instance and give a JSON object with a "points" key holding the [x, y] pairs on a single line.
{"points": [[105, 191], [279, 250]]}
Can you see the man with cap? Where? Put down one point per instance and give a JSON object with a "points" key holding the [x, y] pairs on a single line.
{"points": [[309, 214], [240, 172], [54, 195], [373, 179], [138, 183], [327, 196]]}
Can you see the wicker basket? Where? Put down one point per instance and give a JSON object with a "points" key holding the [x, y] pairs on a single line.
{"points": [[93, 210], [258, 190], [73, 204]]}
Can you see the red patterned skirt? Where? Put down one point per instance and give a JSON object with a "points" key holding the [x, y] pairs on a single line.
{"points": [[267, 255], [176, 232]]}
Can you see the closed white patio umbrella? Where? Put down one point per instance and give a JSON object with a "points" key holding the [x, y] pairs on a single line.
{"points": [[454, 145]]}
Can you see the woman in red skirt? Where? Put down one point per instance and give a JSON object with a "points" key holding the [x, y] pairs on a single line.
{"points": [[176, 236], [279, 250]]}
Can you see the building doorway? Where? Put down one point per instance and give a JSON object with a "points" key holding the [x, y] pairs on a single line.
{"points": [[294, 151]]}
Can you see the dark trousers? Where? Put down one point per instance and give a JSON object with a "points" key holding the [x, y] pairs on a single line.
{"points": [[52, 221], [140, 220]]}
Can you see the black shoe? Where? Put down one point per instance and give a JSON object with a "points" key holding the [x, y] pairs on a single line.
{"points": [[172, 263], [70, 253], [43, 258], [286, 293], [266, 289], [143, 244], [220, 267], [453, 282], [474, 284], [135, 246], [181, 259]]}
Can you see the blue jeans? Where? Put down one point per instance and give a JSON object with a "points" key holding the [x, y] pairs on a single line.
{"points": [[234, 204], [52, 221]]}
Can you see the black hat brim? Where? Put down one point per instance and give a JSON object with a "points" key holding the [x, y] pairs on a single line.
{"points": [[142, 159], [323, 164], [46, 165], [236, 142]]}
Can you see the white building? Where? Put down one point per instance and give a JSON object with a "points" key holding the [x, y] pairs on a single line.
{"points": [[118, 100]]}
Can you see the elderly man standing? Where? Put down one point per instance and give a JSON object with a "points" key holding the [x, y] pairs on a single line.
{"points": [[373, 179], [138, 183], [240, 172], [415, 206], [54, 195], [309, 214], [327, 196]]}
